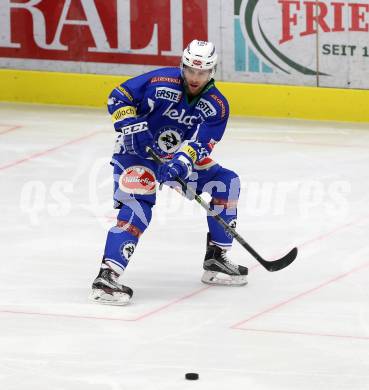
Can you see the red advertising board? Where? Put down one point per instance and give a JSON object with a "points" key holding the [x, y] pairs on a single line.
{"points": [[150, 32]]}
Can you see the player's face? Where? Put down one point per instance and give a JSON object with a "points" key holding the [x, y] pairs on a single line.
{"points": [[195, 79]]}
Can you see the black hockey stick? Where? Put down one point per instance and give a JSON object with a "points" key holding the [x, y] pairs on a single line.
{"points": [[271, 266]]}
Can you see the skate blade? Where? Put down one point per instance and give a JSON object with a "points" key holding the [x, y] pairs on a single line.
{"points": [[116, 299], [220, 279]]}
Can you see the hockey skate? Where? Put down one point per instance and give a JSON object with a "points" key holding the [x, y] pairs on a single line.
{"points": [[107, 290], [219, 270]]}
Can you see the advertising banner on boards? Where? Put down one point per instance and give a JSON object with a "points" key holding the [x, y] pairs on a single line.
{"points": [[303, 42], [102, 36], [296, 42]]}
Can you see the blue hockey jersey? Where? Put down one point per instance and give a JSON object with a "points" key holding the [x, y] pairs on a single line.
{"points": [[174, 121]]}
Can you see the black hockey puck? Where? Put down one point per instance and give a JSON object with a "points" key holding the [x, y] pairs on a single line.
{"points": [[192, 376]]}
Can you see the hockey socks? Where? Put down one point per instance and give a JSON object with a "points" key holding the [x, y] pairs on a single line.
{"points": [[122, 239], [228, 211]]}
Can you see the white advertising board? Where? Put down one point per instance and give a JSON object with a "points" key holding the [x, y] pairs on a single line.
{"points": [[295, 42]]}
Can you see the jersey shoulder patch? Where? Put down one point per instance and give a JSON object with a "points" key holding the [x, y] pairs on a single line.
{"points": [[219, 101]]}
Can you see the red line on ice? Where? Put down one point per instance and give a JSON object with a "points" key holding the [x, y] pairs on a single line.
{"points": [[46, 151], [199, 291], [137, 318], [62, 315], [9, 128], [299, 333], [150, 313], [298, 296], [335, 230], [314, 289]]}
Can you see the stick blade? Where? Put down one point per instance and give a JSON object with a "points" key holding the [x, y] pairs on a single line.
{"points": [[279, 264]]}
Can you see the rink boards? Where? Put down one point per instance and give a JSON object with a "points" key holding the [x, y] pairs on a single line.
{"points": [[259, 100]]}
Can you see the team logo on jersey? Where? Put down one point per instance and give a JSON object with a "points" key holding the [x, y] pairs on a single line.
{"points": [[137, 180], [206, 108], [181, 117], [168, 94], [169, 139], [127, 249]]}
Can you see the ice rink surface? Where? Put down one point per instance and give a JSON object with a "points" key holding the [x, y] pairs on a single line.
{"points": [[305, 327]]}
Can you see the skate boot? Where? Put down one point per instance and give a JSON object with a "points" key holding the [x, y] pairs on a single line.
{"points": [[218, 269], [107, 290]]}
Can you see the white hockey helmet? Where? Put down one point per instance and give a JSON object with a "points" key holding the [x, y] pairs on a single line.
{"points": [[200, 55]]}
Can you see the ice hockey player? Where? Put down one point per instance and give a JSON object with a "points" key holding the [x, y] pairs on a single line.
{"points": [[181, 115]]}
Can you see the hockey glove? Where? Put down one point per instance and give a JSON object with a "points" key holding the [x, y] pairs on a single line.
{"points": [[136, 138], [179, 167]]}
